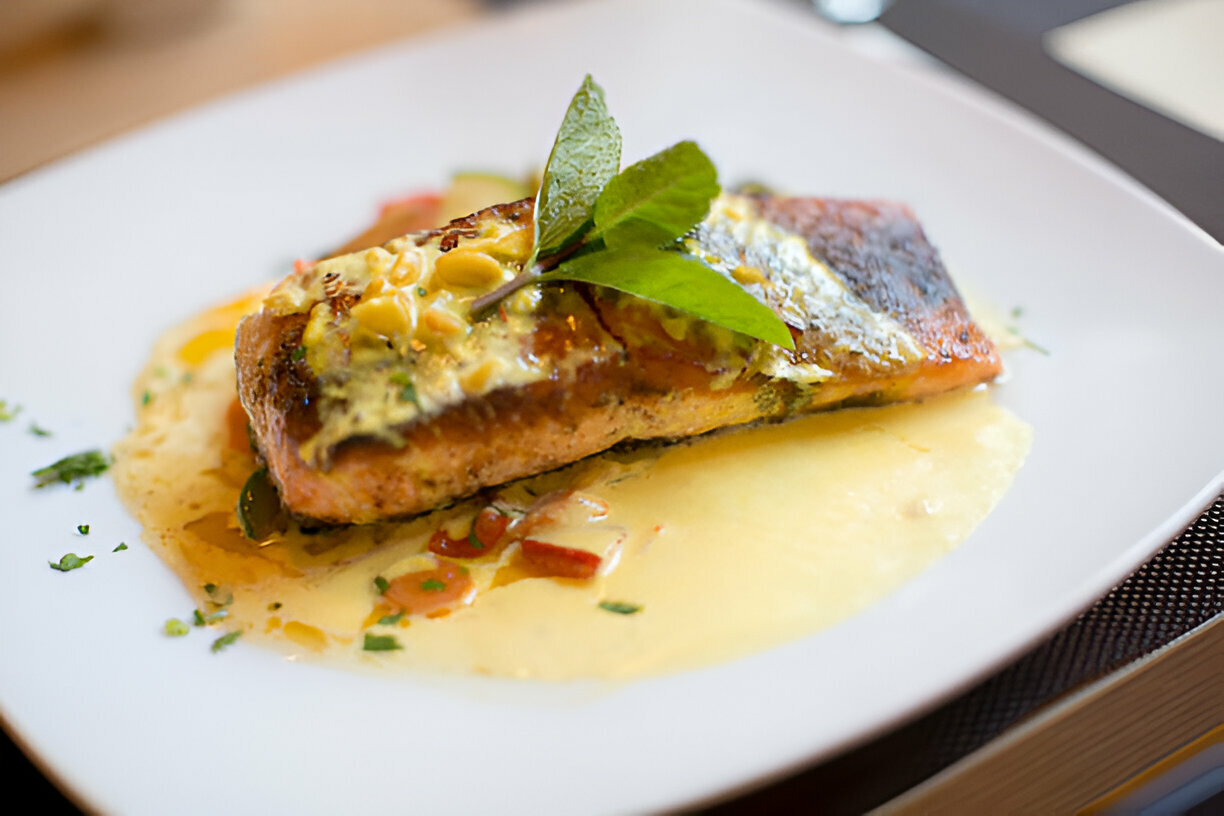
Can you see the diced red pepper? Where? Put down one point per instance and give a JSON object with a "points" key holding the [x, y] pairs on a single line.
{"points": [[559, 562], [481, 539], [429, 592]]}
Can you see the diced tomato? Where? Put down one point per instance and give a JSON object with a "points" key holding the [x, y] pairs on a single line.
{"points": [[486, 531], [559, 562], [429, 592]]}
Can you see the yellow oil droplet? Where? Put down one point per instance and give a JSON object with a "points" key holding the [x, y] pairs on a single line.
{"points": [[305, 635]]}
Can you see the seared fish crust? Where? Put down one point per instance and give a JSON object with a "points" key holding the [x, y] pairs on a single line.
{"points": [[372, 394]]}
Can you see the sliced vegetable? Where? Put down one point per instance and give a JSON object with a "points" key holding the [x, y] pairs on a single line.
{"points": [[560, 562], [259, 507], [429, 592]]}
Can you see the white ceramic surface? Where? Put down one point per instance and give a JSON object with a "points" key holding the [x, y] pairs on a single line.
{"points": [[102, 252]]}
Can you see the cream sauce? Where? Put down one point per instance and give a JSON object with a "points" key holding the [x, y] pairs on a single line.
{"points": [[729, 544]]}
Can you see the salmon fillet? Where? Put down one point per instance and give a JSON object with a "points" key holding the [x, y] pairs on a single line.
{"points": [[371, 396]]}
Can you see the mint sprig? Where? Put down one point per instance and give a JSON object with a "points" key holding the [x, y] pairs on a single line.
{"points": [[620, 230]]}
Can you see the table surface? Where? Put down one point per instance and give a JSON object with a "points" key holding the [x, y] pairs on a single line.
{"points": [[110, 71]]}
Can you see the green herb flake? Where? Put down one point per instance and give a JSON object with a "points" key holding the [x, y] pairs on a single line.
{"points": [[225, 640], [70, 561], [175, 628], [299, 353], [8, 412], [381, 584], [188, 377], [210, 588], [83, 529], [122, 546], [408, 392], [432, 585], [146, 398], [421, 291], [380, 643], [473, 541], [36, 430], [197, 618], [75, 468], [620, 607], [391, 620]]}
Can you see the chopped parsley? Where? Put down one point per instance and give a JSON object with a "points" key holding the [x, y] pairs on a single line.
{"points": [[432, 585], [299, 353], [197, 617], [83, 529], [620, 607], [70, 561], [35, 430], [75, 468], [381, 584], [391, 620], [146, 398], [175, 628], [380, 643], [122, 546], [7, 412], [408, 392], [225, 640]]}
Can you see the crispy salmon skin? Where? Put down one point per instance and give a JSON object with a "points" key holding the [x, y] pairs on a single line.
{"points": [[373, 393]]}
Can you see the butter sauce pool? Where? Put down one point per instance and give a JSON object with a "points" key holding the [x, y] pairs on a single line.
{"points": [[723, 546]]}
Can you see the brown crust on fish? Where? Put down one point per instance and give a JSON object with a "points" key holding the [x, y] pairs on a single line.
{"points": [[658, 387]]}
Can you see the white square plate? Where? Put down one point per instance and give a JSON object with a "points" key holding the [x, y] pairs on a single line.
{"points": [[104, 251]]}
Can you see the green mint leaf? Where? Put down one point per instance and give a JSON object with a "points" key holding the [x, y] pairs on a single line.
{"points": [[681, 282], [70, 561], [225, 640], [657, 200], [585, 156], [175, 628], [75, 468], [620, 607], [380, 643], [259, 507]]}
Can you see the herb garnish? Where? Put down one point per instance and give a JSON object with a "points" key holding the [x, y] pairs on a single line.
{"points": [[175, 628], [380, 643], [432, 585], [391, 620], [225, 640], [620, 607], [83, 529], [122, 546], [259, 507], [408, 392], [36, 430], [71, 561], [75, 468], [621, 230], [381, 584], [299, 353], [7, 413]]}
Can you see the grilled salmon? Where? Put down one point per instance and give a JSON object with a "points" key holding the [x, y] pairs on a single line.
{"points": [[374, 393]]}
